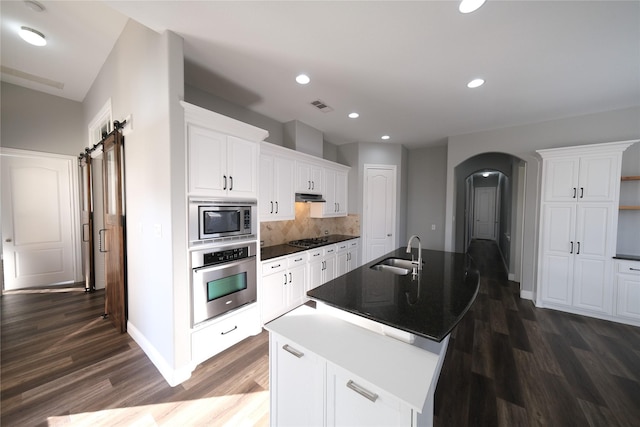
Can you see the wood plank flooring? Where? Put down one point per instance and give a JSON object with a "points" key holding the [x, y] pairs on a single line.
{"points": [[508, 364], [62, 364], [512, 364]]}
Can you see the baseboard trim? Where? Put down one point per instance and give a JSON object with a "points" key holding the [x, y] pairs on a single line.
{"points": [[173, 376], [526, 294]]}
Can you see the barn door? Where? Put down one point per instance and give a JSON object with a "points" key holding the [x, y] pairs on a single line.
{"points": [[113, 234], [86, 204]]}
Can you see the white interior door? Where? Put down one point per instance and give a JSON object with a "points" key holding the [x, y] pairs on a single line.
{"points": [[484, 213], [379, 207], [39, 219]]}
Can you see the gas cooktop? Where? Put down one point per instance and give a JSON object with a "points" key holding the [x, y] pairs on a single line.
{"points": [[309, 243]]}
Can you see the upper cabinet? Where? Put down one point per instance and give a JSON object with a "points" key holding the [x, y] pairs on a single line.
{"points": [[582, 179], [334, 192], [222, 155], [308, 178], [276, 200]]}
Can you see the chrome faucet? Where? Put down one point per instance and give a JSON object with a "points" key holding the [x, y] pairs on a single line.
{"points": [[419, 263]]}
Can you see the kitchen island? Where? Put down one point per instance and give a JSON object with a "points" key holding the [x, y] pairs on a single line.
{"points": [[372, 350]]}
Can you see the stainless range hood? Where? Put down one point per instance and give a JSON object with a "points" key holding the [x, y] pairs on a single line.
{"points": [[309, 198]]}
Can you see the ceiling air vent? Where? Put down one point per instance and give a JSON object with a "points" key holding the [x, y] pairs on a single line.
{"points": [[320, 105]]}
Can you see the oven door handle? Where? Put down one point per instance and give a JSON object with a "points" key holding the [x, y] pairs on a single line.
{"points": [[220, 266]]}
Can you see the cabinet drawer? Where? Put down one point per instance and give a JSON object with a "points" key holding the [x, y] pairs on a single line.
{"points": [[353, 243], [342, 246], [315, 254], [628, 267], [329, 250], [297, 259], [215, 337], [274, 266]]}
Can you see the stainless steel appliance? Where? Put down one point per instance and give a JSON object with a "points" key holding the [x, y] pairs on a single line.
{"points": [[219, 220], [313, 242], [223, 279]]}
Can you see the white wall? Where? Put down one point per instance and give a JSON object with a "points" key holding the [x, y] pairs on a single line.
{"points": [[143, 77], [427, 170], [38, 121], [522, 141]]}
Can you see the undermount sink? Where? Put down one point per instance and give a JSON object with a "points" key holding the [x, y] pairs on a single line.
{"points": [[399, 266]]}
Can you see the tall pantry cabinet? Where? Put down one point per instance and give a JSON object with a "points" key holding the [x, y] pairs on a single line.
{"points": [[578, 228]]}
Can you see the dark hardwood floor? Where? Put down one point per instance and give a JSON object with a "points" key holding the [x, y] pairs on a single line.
{"points": [[512, 364], [508, 364]]}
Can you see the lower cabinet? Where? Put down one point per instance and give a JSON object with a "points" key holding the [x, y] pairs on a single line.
{"points": [[283, 285], [347, 256], [627, 285], [327, 371], [212, 337], [297, 384], [322, 266], [352, 401]]}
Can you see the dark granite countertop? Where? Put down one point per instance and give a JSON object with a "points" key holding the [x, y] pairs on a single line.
{"points": [[429, 306], [269, 252], [627, 257]]}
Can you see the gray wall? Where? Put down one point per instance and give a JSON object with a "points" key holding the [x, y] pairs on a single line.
{"points": [[155, 187], [427, 175], [357, 155], [38, 121], [196, 96], [522, 141]]}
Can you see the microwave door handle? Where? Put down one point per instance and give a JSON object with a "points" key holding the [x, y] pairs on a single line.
{"points": [[224, 265]]}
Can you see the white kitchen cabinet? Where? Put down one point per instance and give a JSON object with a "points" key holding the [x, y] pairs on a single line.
{"points": [[627, 284], [220, 333], [322, 266], [297, 384], [335, 194], [222, 154], [308, 177], [346, 256], [276, 201], [589, 178], [578, 228], [353, 401], [283, 285], [358, 377]]}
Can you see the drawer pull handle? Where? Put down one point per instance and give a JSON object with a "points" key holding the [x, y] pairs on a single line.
{"points": [[293, 351], [230, 330], [275, 266], [634, 269], [362, 391]]}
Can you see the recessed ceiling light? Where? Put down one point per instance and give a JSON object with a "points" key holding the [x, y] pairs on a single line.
{"points": [[354, 115], [32, 36], [486, 174], [468, 6], [475, 83], [303, 79], [385, 137]]}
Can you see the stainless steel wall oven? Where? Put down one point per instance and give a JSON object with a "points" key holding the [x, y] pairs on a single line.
{"points": [[223, 279]]}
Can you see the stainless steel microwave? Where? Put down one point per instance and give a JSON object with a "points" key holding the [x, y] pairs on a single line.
{"points": [[216, 220]]}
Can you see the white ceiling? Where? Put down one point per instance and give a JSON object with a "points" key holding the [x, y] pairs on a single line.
{"points": [[402, 65]]}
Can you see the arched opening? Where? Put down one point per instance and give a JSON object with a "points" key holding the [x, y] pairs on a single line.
{"points": [[489, 194]]}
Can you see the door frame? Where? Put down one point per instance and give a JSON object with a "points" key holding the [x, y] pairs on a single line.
{"points": [[366, 167], [75, 203]]}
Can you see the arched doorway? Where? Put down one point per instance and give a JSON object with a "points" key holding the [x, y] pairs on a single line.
{"points": [[498, 179]]}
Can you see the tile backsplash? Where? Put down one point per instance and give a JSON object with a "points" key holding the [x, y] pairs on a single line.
{"points": [[279, 232]]}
